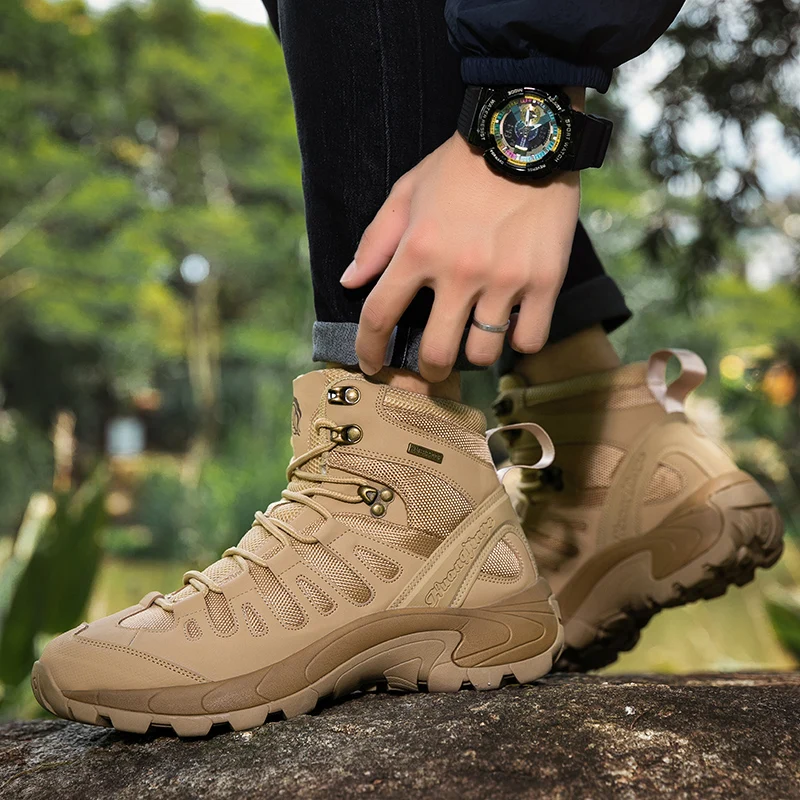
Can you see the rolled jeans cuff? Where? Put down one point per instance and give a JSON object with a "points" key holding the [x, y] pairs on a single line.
{"points": [[594, 302], [335, 342]]}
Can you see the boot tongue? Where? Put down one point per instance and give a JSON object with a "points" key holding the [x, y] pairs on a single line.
{"points": [[308, 404]]}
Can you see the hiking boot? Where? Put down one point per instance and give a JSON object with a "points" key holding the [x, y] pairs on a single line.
{"points": [[640, 509], [394, 557]]}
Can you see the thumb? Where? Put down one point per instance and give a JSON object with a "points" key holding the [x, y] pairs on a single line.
{"points": [[379, 241]]}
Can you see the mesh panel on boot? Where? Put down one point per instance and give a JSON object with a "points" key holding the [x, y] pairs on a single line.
{"points": [[377, 563], [598, 467], [151, 619], [220, 572], [254, 621], [502, 562], [436, 505], [630, 398], [192, 630], [459, 426], [454, 413], [418, 543], [664, 485], [280, 600], [321, 602], [256, 541], [335, 571], [220, 614]]}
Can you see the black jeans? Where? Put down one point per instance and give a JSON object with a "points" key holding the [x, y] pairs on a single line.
{"points": [[376, 87]]}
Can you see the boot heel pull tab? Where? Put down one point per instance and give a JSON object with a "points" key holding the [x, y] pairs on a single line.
{"points": [[541, 436], [672, 395]]}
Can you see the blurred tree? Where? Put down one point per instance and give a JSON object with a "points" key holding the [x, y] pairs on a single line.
{"points": [[129, 142], [730, 122]]}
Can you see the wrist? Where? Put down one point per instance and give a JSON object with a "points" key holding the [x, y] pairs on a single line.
{"points": [[577, 97]]}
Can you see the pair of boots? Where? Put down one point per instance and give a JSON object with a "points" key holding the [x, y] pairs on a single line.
{"points": [[396, 556]]}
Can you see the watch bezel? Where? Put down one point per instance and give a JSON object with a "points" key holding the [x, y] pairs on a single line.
{"points": [[496, 100]]}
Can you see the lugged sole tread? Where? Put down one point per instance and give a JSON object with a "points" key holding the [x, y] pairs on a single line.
{"points": [[621, 633]]}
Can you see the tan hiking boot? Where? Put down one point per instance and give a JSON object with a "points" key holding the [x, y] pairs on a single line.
{"points": [[394, 557], [640, 509]]}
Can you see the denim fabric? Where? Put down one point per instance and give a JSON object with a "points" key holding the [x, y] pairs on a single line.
{"points": [[376, 87]]}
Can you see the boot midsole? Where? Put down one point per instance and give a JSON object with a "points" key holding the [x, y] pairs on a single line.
{"points": [[518, 629]]}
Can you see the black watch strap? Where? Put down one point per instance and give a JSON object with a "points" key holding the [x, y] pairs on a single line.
{"points": [[591, 136], [469, 108]]}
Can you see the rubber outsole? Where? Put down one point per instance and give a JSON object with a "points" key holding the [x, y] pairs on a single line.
{"points": [[751, 538], [417, 662]]}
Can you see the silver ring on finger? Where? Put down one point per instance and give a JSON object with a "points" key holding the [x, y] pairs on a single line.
{"points": [[492, 328]]}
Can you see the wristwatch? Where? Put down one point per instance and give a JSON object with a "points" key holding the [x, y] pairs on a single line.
{"points": [[528, 133]]}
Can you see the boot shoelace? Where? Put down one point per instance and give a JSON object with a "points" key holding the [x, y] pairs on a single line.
{"points": [[278, 528], [284, 532]]}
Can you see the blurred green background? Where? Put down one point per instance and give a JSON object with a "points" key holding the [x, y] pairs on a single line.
{"points": [[155, 299]]}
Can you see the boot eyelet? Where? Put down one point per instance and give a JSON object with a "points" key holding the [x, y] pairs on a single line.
{"points": [[344, 395], [353, 434], [368, 494], [347, 434], [376, 498]]}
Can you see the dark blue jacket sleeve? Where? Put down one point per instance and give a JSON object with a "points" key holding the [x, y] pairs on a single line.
{"points": [[558, 42]]}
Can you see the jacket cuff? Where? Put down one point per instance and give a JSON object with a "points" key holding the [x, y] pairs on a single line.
{"points": [[537, 70]]}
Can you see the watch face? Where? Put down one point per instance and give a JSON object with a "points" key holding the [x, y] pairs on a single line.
{"points": [[526, 130]]}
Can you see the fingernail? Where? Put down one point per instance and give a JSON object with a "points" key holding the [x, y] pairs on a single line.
{"points": [[350, 272]]}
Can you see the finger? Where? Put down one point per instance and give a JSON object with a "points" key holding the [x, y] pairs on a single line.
{"points": [[379, 241], [444, 331], [381, 312], [532, 326], [484, 347]]}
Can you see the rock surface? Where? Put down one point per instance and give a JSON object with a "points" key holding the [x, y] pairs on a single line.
{"points": [[710, 736]]}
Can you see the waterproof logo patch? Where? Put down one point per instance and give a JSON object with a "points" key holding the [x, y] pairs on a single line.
{"points": [[297, 415], [424, 452]]}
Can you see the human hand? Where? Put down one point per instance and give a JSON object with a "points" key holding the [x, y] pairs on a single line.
{"points": [[480, 241]]}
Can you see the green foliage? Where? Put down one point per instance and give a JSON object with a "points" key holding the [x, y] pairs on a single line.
{"points": [[47, 581], [127, 142], [784, 613], [731, 80], [195, 521], [26, 466]]}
